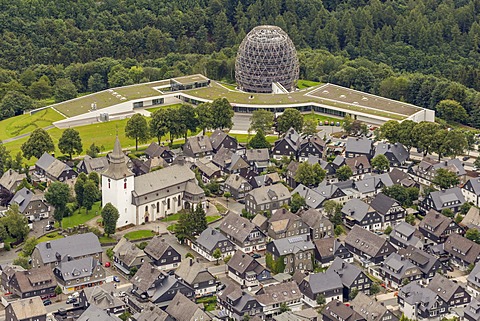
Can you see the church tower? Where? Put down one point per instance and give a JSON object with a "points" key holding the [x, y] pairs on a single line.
{"points": [[117, 186]]}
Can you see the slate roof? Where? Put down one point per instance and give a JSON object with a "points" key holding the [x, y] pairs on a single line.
{"points": [[237, 227], [102, 297], [183, 309], [35, 279], [77, 269], [266, 194], [348, 272], [270, 178], [198, 144], [313, 218], [324, 281], [472, 219], [127, 252], [445, 288], [23, 198], [75, 246], [413, 294], [366, 241], [408, 231], [358, 162], [157, 247], [233, 292], [440, 198], [98, 164], [10, 177], [425, 261], [117, 168], [474, 275], [358, 145], [281, 219], [399, 177], [399, 266], [313, 199], [462, 247], [382, 203], [217, 137], [336, 310], [369, 308], [454, 165], [474, 182], [51, 165], [257, 155], [193, 272], [473, 309], [146, 275], [357, 209], [152, 313], [438, 222], [209, 238], [397, 149], [327, 246], [279, 293], [207, 167], [240, 262], [293, 244], [95, 313], [28, 308], [168, 176], [260, 221], [235, 181]]}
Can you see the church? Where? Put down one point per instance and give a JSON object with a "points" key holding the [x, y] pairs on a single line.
{"points": [[151, 196]]}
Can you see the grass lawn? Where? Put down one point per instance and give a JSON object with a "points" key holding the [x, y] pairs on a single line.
{"points": [[171, 228], [213, 218], [106, 239], [169, 218], [243, 138], [319, 118], [80, 217], [140, 234], [50, 237], [229, 86], [302, 83], [220, 208], [27, 123], [163, 106], [209, 303]]}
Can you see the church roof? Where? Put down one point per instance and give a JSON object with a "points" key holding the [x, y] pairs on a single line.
{"points": [[117, 168]]}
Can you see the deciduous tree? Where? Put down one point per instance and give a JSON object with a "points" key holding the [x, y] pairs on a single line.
{"points": [[159, 124], [64, 89], [204, 116], [57, 195], [451, 110], [222, 113], [380, 163], [445, 178], [259, 141], [110, 217], [344, 173], [291, 118], [297, 202], [16, 223], [262, 120], [38, 143], [90, 194], [137, 129], [70, 142]]}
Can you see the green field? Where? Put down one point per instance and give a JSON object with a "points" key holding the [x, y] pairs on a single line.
{"points": [[212, 218], [83, 104], [302, 83], [322, 118], [140, 234], [81, 217], [243, 138], [163, 106], [50, 237], [27, 123], [106, 239]]}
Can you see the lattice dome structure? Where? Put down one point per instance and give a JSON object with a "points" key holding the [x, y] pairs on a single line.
{"points": [[266, 55]]}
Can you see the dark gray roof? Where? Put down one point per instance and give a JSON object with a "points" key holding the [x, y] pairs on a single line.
{"points": [[51, 165], [197, 144], [413, 294], [240, 261], [474, 276], [396, 149], [399, 266], [366, 241], [382, 203], [77, 269], [368, 307], [157, 247], [293, 244], [267, 194], [75, 246], [279, 293], [410, 232], [339, 161], [193, 272], [209, 238], [127, 252], [217, 137], [463, 248], [359, 145], [425, 261], [102, 296], [357, 209], [445, 288], [145, 277], [454, 165], [475, 182], [313, 218], [237, 227], [323, 282], [312, 198], [257, 155], [443, 197], [435, 223], [473, 310], [98, 164], [183, 309], [10, 177], [117, 169], [95, 313], [207, 167], [152, 313], [235, 181], [23, 197], [348, 272]]}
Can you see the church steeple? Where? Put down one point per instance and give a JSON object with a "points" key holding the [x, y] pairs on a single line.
{"points": [[117, 168]]}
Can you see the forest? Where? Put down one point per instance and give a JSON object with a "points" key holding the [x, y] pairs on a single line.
{"points": [[418, 51]]}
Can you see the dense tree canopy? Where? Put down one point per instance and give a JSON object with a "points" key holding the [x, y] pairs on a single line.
{"points": [[38, 143]]}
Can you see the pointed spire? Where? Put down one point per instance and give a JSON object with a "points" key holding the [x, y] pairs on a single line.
{"points": [[117, 168], [117, 155]]}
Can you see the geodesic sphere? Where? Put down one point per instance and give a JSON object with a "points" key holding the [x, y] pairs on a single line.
{"points": [[265, 56]]}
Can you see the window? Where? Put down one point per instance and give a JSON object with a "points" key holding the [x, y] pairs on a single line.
{"points": [[125, 183], [158, 207], [168, 203]]}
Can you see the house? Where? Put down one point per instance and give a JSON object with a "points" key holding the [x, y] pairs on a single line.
{"points": [[274, 297], [329, 248], [287, 145], [258, 159], [360, 166], [183, 309], [319, 225], [52, 169], [72, 247], [426, 170], [451, 198], [326, 284], [473, 282], [436, 227], [95, 313], [30, 283], [428, 264], [102, 297], [155, 150], [210, 240], [152, 196], [246, 271], [353, 278], [462, 251], [470, 190], [26, 310], [337, 311], [291, 173], [296, 252], [397, 270], [229, 162], [244, 234], [220, 139], [237, 186], [371, 309], [371, 185], [419, 303], [396, 153], [404, 234], [453, 294], [151, 284], [151, 312], [358, 213], [389, 209], [30, 204], [472, 311], [197, 147], [308, 314], [311, 145], [163, 255], [267, 198], [312, 198], [196, 276], [127, 256], [339, 192], [472, 219], [144, 166], [261, 221], [265, 180], [11, 179], [358, 146], [208, 170], [89, 164], [236, 303], [367, 247], [284, 223], [77, 274]]}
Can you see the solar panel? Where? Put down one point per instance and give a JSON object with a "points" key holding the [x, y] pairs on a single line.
{"points": [[295, 239]]}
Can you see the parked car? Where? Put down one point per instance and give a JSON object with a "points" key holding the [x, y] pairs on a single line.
{"points": [[326, 123], [72, 300], [256, 256], [74, 295], [107, 264], [116, 279], [48, 227], [465, 158], [47, 302], [76, 304], [332, 123]]}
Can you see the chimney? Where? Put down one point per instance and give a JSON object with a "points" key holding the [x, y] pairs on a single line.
{"points": [[152, 269], [48, 245], [69, 258]]}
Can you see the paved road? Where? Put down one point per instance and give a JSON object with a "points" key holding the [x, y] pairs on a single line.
{"points": [[8, 140]]}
